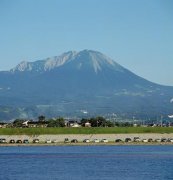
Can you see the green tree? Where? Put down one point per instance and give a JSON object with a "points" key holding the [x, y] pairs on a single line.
{"points": [[41, 118], [59, 122], [98, 121], [83, 121], [109, 124], [18, 122]]}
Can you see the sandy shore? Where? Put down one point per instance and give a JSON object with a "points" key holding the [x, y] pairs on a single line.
{"points": [[80, 137]]}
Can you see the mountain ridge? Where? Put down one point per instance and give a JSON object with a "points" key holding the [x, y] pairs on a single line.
{"points": [[56, 61], [43, 65]]}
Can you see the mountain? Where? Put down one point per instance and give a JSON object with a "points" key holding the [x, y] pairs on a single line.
{"points": [[78, 84], [44, 65]]}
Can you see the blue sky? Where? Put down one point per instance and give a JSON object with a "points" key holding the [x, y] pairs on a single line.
{"points": [[137, 34]]}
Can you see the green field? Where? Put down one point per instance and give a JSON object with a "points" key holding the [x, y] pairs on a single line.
{"points": [[100, 130]]}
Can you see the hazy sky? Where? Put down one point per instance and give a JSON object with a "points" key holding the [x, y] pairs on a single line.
{"points": [[137, 34]]}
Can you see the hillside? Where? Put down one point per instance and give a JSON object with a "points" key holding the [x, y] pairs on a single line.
{"points": [[79, 84]]}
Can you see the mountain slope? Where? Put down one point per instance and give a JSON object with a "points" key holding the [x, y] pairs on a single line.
{"points": [[77, 81]]}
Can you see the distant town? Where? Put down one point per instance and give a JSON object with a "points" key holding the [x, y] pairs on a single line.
{"points": [[99, 121]]}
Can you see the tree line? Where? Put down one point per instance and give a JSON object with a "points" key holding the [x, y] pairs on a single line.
{"points": [[98, 121]]}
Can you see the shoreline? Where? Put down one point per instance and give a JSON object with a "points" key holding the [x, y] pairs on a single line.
{"points": [[88, 144]]}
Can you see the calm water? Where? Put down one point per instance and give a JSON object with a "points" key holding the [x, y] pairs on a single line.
{"points": [[87, 163]]}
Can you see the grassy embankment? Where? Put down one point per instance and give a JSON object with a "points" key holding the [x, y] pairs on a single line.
{"points": [[100, 130]]}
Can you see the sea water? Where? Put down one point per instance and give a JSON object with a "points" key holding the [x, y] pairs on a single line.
{"points": [[87, 163]]}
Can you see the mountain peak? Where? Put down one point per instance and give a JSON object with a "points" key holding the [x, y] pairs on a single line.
{"points": [[85, 59], [97, 61]]}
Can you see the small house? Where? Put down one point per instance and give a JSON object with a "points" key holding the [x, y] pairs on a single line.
{"points": [[87, 124]]}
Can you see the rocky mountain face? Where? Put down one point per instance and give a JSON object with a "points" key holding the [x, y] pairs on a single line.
{"points": [[80, 83], [44, 65]]}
